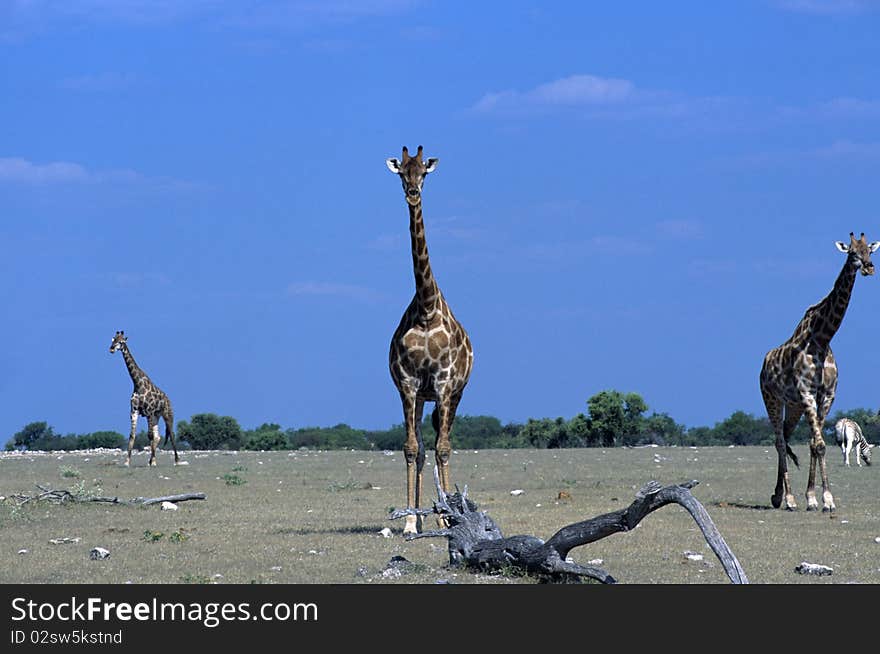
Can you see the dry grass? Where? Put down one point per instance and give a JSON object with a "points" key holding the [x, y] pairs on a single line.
{"points": [[314, 517]]}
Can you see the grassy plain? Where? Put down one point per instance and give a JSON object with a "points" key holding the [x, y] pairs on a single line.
{"points": [[315, 517]]}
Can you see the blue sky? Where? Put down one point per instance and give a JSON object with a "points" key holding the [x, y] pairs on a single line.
{"points": [[641, 196]]}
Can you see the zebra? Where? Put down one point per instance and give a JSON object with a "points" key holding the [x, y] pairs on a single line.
{"points": [[849, 435]]}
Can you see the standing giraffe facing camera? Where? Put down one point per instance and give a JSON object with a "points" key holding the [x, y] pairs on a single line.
{"points": [[147, 400], [431, 355], [801, 376]]}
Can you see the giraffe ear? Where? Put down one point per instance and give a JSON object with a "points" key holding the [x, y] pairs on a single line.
{"points": [[431, 164], [393, 165], [843, 247], [874, 246]]}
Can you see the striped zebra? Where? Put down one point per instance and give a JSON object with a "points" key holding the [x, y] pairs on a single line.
{"points": [[849, 435]]}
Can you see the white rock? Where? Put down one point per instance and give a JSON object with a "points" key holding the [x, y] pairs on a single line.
{"points": [[98, 553], [182, 463], [23, 551], [516, 492], [63, 541], [877, 540], [693, 556], [169, 506], [595, 562], [275, 568], [386, 533], [805, 568]]}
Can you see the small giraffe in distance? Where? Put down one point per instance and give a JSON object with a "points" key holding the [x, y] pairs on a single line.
{"points": [[800, 376], [431, 357], [147, 400]]}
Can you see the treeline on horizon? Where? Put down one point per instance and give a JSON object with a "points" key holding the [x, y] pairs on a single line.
{"points": [[612, 419]]}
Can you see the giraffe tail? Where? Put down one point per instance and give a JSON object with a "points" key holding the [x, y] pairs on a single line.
{"points": [[169, 427], [793, 456]]}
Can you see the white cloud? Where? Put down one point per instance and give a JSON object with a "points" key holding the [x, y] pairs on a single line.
{"points": [[98, 82], [333, 289], [273, 14], [139, 279], [852, 108], [848, 149], [17, 170], [828, 7], [573, 91], [22, 172], [133, 11], [681, 229], [845, 107], [597, 97]]}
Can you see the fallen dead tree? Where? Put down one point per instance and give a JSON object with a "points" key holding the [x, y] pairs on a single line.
{"points": [[61, 496], [476, 542]]}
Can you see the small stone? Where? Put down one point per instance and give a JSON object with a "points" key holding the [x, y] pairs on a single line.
{"points": [[169, 506], [63, 541], [517, 492], [693, 556], [805, 568], [275, 568], [386, 533], [23, 551], [98, 553]]}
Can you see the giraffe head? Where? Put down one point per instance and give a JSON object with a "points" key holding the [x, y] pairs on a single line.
{"points": [[412, 172], [117, 342], [859, 252]]}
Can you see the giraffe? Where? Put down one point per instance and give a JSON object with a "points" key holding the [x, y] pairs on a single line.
{"points": [[147, 400], [801, 376], [431, 357]]}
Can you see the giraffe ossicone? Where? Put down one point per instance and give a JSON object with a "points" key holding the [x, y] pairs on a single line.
{"points": [[431, 356], [147, 400], [800, 377]]}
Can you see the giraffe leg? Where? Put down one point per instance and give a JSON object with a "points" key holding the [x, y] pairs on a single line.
{"points": [[420, 458], [793, 413], [817, 450], [774, 412], [824, 408], [445, 412], [410, 455], [154, 437], [134, 421]]}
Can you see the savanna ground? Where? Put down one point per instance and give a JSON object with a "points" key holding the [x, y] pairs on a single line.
{"points": [[315, 517]]}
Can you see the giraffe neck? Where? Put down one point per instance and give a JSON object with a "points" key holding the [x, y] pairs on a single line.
{"points": [[427, 291], [138, 376], [823, 319]]}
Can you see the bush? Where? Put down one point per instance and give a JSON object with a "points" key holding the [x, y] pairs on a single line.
{"points": [[266, 437], [339, 437], [208, 431], [108, 439]]}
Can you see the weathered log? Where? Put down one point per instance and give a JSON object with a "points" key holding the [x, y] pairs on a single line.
{"points": [[168, 498], [61, 496], [476, 542]]}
